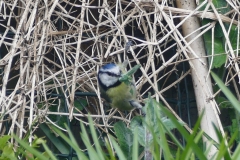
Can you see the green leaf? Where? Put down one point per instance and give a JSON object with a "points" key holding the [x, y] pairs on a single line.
{"points": [[8, 152], [79, 152], [152, 111], [138, 124], [178, 154], [169, 124], [233, 37], [127, 77], [219, 49], [221, 6], [95, 139], [110, 151], [227, 92], [119, 152], [223, 149], [80, 103], [234, 137], [135, 145], [223, 102], [191, 144], [62, 148], [236, 153], [46, 155], [172, 136], [219, 56], [4, 141], [88, 144], [163, 141], [29, 148], [233, 128], [187, 137], [58, 119], [124, 137]]}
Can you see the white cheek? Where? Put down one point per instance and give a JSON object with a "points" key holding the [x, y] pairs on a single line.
{"points": [[115, 70], [107, 80]]}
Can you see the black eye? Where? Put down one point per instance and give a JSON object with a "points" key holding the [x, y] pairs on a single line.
{"points": [[109, 73], [113, 74]]}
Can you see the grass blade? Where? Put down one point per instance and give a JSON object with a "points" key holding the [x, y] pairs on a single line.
{"points": [[227, 92]]}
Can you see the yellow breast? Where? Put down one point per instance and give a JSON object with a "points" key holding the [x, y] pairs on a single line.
{"points": [[121, 95]]}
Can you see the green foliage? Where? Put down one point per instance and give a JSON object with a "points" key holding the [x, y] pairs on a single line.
{"points": [[192, 147], [127, 77], [147, 137], [6, 149], [33, 152], [227, 92], [79, 104], [125, 138], [219, 56], [9, 152], [138, 126], [232, 102], [223, 102], [152, 131], [60, 144], [3, 141], [57, 142], [218, 37], [155, 126]]}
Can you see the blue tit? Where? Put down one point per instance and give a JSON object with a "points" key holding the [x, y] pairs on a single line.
{"points": [[119, 94]]}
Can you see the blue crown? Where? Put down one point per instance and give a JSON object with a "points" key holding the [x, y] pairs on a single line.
{"points": [[109, 65]]}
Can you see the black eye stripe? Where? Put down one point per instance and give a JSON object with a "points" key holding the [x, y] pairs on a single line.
{"points": [[109, 73], [113, 74]]}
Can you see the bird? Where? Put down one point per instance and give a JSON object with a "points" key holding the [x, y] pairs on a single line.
{"points": [[120, 95]]}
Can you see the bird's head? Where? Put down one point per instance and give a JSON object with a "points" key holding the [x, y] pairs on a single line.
{"points": [[108, 76]]}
